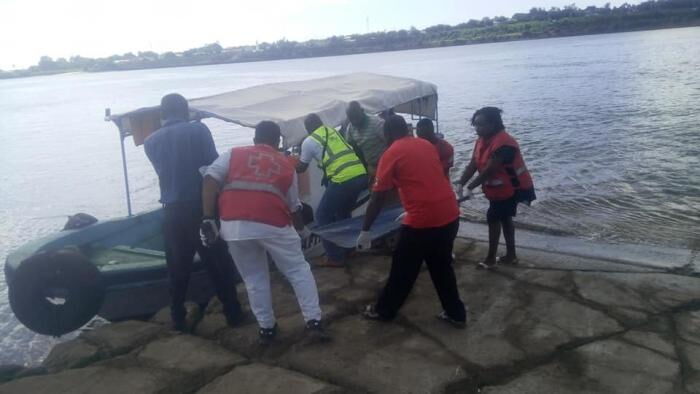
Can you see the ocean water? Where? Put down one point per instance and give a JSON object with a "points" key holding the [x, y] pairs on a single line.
{"points": [[609, 126]]}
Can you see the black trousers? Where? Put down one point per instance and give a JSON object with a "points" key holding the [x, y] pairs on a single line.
{"points": [[434, 246], [181, 233]]}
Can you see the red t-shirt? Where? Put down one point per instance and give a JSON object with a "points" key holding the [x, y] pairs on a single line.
{"points": [[446, 153], [412, 165]]}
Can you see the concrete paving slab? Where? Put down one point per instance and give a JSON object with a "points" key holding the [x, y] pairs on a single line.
{"points": [[101, 380], [687, 324], [72, 354], [378, 357], [645, 293], [261, 378], [508, 322], [368, 270], [608, 366], [211, 326], [330, 280], [657, 342], [120, 338], [190, 355]]}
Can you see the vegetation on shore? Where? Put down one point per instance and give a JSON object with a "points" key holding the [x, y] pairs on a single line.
{"points": [[537, 23]]}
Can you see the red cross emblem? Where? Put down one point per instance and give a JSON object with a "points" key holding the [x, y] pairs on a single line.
{"points": [[264, 164]]}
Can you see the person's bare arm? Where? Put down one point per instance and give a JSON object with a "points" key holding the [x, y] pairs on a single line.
{"points": [[375, 206], [210, 192], [468, 172]]}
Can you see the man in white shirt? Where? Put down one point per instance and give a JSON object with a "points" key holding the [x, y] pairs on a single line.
{"points": [[257, 192], [345, 178]]}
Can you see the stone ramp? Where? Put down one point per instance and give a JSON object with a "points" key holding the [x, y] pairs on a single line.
{"points": [[555, 323]]}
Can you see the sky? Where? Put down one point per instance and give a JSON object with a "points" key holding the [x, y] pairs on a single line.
{"points": [[30, 29]]}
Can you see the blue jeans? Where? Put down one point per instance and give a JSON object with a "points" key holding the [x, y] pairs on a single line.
{"points": [[337, 204]]}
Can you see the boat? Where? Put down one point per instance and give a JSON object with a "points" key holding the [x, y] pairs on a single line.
{"points": [[116, 268]]}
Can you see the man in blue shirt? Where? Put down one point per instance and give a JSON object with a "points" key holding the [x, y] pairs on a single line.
{"points": [[177, 151]]}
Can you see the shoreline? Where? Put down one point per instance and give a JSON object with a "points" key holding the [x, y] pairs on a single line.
{"points": [[567, 244], [418, 47]]}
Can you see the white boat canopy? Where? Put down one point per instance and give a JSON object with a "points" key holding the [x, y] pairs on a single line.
{"points": [[288, 103]]}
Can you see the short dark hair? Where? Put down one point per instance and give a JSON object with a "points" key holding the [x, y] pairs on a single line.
{"points": [[267, 132], [492, 115], [396, 126], [425, 124], [354, 109], [174, 105], [312, 122]]}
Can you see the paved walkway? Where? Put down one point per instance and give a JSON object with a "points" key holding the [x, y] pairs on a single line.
{"points": [[555, 324]]}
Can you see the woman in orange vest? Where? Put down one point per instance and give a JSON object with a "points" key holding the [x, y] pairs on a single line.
{"points": [[503, 177]]}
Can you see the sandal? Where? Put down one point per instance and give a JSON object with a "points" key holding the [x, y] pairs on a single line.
{"points": [[484, 266], [370, 313], [507, 261]]}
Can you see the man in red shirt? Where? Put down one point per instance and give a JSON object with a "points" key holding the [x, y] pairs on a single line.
{"points": [[429, 227], [425, 130]]}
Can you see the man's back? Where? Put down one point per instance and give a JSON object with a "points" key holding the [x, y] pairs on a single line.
{"points": [[412, 165], [446, 153], [177, 151]]}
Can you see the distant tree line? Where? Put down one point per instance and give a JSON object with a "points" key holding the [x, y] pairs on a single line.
{"points": [[537, 23]]}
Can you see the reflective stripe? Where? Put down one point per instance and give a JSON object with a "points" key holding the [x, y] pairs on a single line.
{"points": [[339, 161], [346, 165], [495, 182], [498, 182], [333, 156], [255, 186]]}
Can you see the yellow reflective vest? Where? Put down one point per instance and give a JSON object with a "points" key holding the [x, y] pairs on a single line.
{"points": [[339, 162]]}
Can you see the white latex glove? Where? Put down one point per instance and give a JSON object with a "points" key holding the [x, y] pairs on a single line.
{"points": [[208, 232], [364, 241], [400, 217], [304, 233]]}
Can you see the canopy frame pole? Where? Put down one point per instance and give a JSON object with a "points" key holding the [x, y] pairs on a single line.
{"points": [[126, 173], [437, 118]]}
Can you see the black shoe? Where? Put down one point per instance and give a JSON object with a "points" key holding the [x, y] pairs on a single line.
{"points": [[315, 331], [267, 335], [461, 324], [370, 313]]}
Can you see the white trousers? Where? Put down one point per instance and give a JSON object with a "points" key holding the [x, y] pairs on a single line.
{"points": [[250, 257]]}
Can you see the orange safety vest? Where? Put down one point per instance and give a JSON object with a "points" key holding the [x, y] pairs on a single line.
{"points": [[256, 186], [503, 183]]}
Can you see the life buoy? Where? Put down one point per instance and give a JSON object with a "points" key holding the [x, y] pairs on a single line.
{"points": [[54, 293], [79, 220]]}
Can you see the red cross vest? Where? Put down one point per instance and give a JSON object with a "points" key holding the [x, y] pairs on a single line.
{"points": [[503, 183], [256, 186]]}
